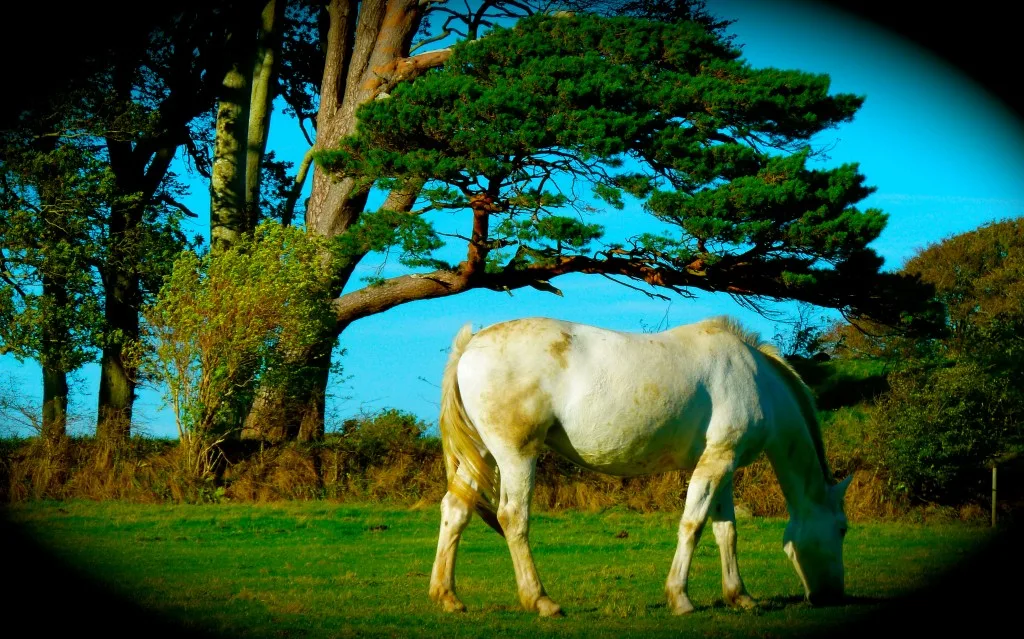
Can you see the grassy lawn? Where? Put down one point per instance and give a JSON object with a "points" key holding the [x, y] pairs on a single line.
{"points": [[337, 570]]}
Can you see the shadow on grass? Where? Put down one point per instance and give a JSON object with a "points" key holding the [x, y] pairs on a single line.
{"points": [[65, 600], [774, 604]]}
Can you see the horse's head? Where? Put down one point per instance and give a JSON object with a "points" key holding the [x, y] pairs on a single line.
{"points": [[814, 542]]}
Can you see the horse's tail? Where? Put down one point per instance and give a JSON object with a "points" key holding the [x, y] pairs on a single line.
{"points": [[803, 396], [462, 445]]}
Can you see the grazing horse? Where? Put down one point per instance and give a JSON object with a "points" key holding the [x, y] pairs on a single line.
{"points": [[706, 397]]}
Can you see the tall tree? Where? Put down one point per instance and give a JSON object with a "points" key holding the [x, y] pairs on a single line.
{"points": [[133, 102], [738, 218], [715, 150], [50, 194], [242, 122], [265, 71], [719, 155], [160, 92]]}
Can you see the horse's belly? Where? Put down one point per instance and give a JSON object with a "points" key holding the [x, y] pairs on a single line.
{"points": [[632, 440]]}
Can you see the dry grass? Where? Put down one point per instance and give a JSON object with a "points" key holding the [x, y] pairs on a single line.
{"points": [[143, 471], [338, 469]]}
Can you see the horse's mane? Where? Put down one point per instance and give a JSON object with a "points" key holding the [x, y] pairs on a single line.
{"points": [[802, 392]]}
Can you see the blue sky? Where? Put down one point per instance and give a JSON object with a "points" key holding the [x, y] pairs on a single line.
{"points": [[944, 154]]}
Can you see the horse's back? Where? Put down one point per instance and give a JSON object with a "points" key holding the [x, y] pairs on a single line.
{"points": [[622, 403]]}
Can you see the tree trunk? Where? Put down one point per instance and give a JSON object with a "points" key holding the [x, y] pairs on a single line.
{"points": [[121, 287], [55, 380], [261, 105], [55, 403], [228, 215], [121, 315], [295, 411], [364, 54], [367, 53], [311, 418], [139, 169], [54, 330]]}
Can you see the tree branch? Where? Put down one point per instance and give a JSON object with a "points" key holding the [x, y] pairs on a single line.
{"points": [[157, 170], [6, 275], [293, 195], [649, 294], [402, 198], [167, 199], [445, 32], [305, 134], [407, 69], [338, 36], [201, 162]]}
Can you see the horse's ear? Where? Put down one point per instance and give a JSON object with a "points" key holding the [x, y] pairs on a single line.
{"points": [[839, 490]]}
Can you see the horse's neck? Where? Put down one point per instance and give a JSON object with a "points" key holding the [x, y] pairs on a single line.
{"points": [[795, 461]]}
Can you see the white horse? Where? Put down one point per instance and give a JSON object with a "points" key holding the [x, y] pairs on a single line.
{"points": [[706, 397]]}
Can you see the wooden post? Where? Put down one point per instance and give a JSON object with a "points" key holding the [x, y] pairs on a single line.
{"points": [[993, 495]]}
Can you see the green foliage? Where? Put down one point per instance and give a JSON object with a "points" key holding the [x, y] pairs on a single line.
{"points": [[839, 383], [275, 187], [375, 439], [979, 279], [75, 223], [782, 207], [665, 112], [51, 201], [941, 426], [223, 325], [955, 401], [383, 230]]}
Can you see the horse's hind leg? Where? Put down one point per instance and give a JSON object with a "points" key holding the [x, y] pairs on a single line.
{"points": [[723, 522], [517, 477], [713, 471], [455, 516]]}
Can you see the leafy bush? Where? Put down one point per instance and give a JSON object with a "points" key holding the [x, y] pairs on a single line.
{"points": [[375, 438], [222, 325], [955, 398], [939, 426]]}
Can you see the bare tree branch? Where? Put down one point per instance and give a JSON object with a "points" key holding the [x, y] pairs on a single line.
{"points": [[293, 196], [163, 197]]}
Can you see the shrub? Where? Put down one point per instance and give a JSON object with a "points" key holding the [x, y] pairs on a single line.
{"points": [[939, 426], [381, 437], [223, 324]]}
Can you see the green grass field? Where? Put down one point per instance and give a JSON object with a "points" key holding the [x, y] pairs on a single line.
{"points": [[337, 570]]}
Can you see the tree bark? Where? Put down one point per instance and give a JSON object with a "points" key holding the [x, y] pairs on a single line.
{"points": [[376, 59], [139, 169], [228, 215], [261, 105], [55, 403], [122, 301], [55, 379], [54, 331]]}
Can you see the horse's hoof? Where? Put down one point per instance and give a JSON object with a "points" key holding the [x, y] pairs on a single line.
{"points": [[746, 602], [680, 605], [548, 608], [448, 601]]}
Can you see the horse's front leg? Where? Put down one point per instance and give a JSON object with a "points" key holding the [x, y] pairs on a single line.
{"points": [[517, 477], [713, 470], [723, 522]]}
